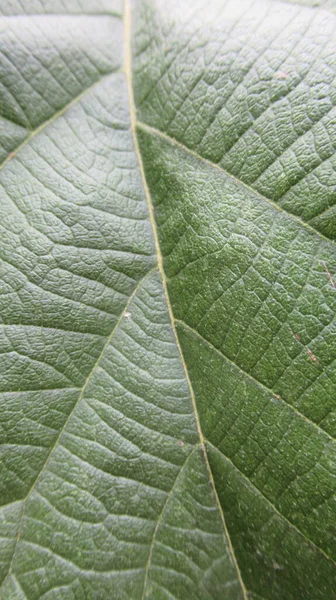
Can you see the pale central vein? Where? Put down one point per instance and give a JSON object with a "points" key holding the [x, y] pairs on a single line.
{"points": [[128, 73]]}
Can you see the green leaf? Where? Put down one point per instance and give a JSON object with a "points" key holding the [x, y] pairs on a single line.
{"points": [[167, 300]]}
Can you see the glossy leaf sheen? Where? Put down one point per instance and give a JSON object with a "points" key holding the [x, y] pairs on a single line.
{"points": [[167, 300]]}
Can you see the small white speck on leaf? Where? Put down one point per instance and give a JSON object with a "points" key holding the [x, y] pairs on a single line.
{"points": [[281, 75]]}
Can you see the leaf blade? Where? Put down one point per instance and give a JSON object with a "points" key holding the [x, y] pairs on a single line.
{"points": [[167, 444]]}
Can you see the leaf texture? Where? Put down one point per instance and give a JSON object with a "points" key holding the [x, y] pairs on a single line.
{"points": [[167, 300]]}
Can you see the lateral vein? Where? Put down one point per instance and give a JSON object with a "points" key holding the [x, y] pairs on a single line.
{"points": [[55, 116], [251, 190], [270, 503], [256, 381], [81, 394]]}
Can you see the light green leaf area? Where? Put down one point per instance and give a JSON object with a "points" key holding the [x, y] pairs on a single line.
{"points": [[167, 300]]}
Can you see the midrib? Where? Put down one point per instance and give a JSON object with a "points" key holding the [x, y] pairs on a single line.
{"points": [[132, 109]]}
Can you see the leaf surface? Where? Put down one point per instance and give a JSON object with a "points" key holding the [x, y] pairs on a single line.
{"points": [[167, 300]]}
